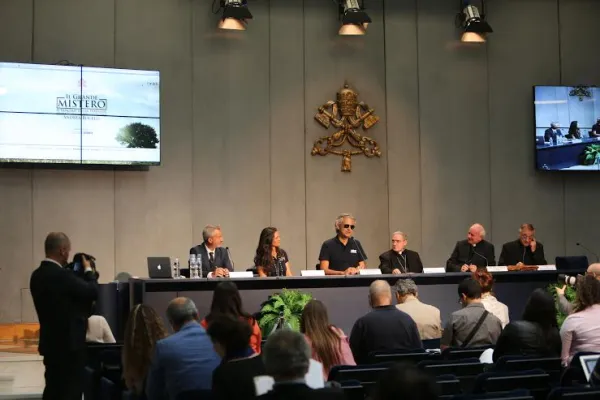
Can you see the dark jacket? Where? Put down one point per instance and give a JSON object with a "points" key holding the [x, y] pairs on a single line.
{"points": [[299, 391], [409, 261], [514, 252], [62, 301], [481, 255], [525, 338], [221, 259], [550, 136], [235, 379]]}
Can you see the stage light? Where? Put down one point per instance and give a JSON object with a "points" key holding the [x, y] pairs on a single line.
{"points": [[235, 14], [354, 19], [473, 23]]}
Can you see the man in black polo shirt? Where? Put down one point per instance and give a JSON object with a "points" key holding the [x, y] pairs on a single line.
{"points": [[342, 255]]}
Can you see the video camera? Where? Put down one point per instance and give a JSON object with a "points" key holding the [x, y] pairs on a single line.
{"points": [[568, 279], [77, 264]]}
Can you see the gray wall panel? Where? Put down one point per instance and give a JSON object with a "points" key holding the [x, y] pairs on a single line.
{"points": [[18, 48]]}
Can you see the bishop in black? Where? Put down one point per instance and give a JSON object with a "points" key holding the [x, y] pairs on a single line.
{"points": [[474, 251], [525, 250], [400, 260]]}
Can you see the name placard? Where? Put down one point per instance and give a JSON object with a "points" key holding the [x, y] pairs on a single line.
{"points": [[500, 268], [546, 267], [241, 274], [369, 271], [434, 270], [312, 272]]}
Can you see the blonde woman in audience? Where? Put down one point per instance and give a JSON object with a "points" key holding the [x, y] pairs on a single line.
{"points": [[581, 330], [488, 300], [144, 328], [329, 344]]}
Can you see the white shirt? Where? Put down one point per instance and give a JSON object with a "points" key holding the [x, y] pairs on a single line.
{"points": [[495, 307], [98, 330], [208, 252]]}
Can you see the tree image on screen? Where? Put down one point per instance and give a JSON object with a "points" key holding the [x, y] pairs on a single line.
{"points": [[138, 136]]}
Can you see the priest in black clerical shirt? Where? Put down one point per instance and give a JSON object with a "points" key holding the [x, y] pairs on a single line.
{"points": [[472, 253], [400, 260], [526, 250]]}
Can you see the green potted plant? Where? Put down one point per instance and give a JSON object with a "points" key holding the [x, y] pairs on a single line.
{"points": [[282, 310], [569, 294], [591, 154]]}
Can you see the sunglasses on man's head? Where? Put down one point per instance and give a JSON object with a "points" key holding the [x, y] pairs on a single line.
{"points": [[346, 226]]}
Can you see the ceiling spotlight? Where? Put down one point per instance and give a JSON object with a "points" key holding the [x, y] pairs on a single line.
{"points": [[354, 18], [473, 24], [235, 14]]}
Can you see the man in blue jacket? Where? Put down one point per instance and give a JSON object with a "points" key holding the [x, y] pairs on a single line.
{"points": [[185, 360]]}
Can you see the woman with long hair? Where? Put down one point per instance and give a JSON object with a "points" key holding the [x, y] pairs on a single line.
{"points": [[574, 131], [329, 344], [581, 330], [228, 302], [270, 259], [536, 334], [489, 301], [144, 328]]}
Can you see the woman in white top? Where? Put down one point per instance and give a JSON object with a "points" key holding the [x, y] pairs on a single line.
{"points": [[98, 330], [488, 300]]}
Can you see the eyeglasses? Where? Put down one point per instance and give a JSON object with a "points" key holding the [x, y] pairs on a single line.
{"points": [[346, 226]]}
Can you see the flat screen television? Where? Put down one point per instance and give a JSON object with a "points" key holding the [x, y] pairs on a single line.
{"points": [[567, 128], [58, 114]]}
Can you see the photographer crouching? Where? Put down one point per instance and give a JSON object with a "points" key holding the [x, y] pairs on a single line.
{"points": [[63, 299], [564, 305]]}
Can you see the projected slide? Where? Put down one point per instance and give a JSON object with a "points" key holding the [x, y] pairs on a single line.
{"points": [[87, 115]]}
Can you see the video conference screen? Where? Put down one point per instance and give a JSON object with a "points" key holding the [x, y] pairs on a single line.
{"points": [[567, 128], [79, 115]]}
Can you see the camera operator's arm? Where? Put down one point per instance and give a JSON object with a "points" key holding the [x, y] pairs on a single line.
{"points": [[86, 288], [564, 305]]}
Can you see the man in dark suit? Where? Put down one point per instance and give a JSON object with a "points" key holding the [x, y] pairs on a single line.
{"points": [[526, 250], [215, 259], [60, 298], [287, 358], [552, 133], [472, 253], [400, 260]]}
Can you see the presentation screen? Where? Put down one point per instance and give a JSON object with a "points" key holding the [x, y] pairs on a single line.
{"points": [[567, 128], [79, 115]]}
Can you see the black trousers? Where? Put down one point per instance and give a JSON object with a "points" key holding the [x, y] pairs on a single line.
{"points": [[64, 375]]}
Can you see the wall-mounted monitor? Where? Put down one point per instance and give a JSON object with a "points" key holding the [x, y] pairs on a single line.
{"points": [[59, 114], [567, 128]]}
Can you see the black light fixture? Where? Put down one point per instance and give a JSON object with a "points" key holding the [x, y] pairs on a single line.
{"points": [[473, 24], [235, 14], [353, 16]]}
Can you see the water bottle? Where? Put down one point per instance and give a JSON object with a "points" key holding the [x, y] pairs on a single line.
{"points": [[192, 264], [176, 268], [199, 266]]}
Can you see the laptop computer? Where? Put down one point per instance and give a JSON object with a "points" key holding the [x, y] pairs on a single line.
{"points": [[588, 363], [159, 267]]}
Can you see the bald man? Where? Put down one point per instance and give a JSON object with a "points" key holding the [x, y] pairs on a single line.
{"points": [[472, 253], [384, 328], [565, 306]]}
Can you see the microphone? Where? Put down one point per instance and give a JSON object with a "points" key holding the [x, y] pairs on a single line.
{"points": [[475, 252], [359, 251], [230, 259], [589, 251]]}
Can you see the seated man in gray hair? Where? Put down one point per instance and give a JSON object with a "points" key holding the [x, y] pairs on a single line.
{"points": [[286, 356], [427, 318]]}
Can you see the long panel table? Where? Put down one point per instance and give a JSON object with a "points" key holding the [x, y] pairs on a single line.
{"points": [[346, 297]]}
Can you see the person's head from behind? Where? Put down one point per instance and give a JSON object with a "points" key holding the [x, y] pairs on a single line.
{"points": [[469, 291], [406, 382], [405, 289], [57, 247], [181, 311], [315, 324], [226, 301], [143, 329], [286, 355], [541, 309], [554, 125], [212, 236], [594, 270], [380, 294], [475, 234], [588, 292], [230, 336], [485, 279]]}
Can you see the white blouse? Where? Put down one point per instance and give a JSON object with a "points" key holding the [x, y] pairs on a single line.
{"points": [[495, 307]]}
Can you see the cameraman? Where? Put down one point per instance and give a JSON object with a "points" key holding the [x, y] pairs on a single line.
{"points": [[564, 305], [59, 296]]}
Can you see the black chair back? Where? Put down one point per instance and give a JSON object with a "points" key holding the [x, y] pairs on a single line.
{"points": [[537, 382], [410, 356], [195, 395], [458, 353], [449, 385], [431, 343], [571, 263], [512, 395], [354, 392], [582, 393], [108, 390], [550, 365], [365, 374], [465, 370]]}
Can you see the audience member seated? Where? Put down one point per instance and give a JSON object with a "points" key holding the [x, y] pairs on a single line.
{"points": [[406, 382], [473, 325], [329, 344], [184, 361], [384, 328], [287, 358], [234, 378], [98, 330], [488, 300], [143, 329], [581, 330], [227, 301], [536, 334], [427, 318]]}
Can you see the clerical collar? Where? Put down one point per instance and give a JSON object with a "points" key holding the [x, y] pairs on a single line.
{"points": [[401, 252]]}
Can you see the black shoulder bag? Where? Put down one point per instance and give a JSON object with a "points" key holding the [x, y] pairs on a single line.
{"points": [[475, 328]]}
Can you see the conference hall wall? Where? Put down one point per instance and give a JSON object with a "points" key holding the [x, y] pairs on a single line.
{"points": [[237, 121]]}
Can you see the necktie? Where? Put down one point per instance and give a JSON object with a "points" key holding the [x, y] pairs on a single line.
{"points": [[211, 258]]}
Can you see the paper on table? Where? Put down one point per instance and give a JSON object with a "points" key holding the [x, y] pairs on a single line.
{"points": [[314, 379]]}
